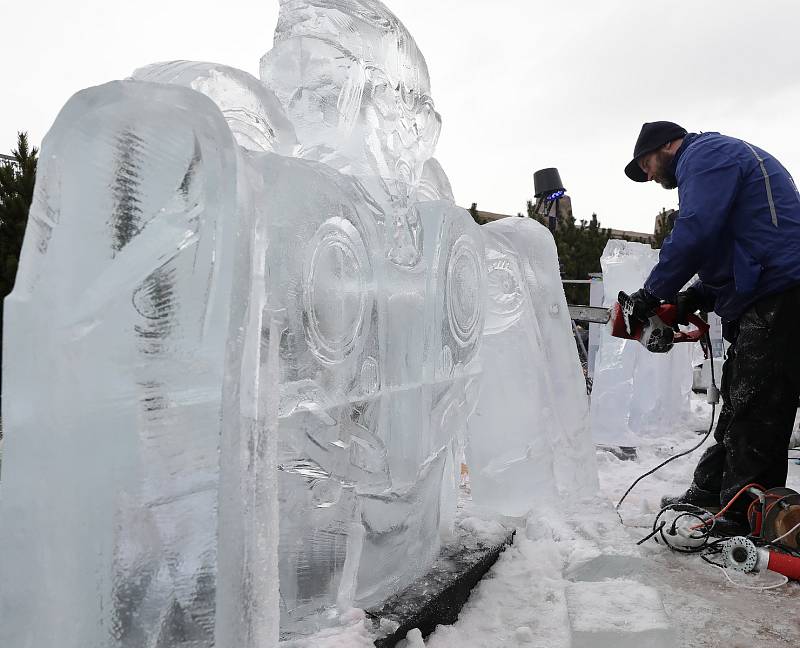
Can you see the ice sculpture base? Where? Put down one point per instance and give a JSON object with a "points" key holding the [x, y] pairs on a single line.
{"points": [[437, 597]]}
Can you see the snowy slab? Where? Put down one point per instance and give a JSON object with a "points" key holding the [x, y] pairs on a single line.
{"points": [[604, 567], [617, 614]]}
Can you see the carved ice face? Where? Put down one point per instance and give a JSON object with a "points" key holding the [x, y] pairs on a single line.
{"points": [[356, 87], [407, 118]]}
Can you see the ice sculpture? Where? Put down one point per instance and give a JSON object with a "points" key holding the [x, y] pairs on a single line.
{"points": [[205, 307], [534, 395], [636, 395], [115, 338], [373, 412], [245, 343], [357, 89]]}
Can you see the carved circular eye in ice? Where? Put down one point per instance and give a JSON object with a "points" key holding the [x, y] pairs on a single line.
{"points": [[337, 290], [464, 304], [506, 295]]}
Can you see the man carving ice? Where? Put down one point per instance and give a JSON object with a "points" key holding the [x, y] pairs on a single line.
{"points": [[738, 230]]}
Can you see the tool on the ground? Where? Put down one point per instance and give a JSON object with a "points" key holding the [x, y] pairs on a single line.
{"points": [[773, 542], [775, 516], [741, 554], [658, 335]]}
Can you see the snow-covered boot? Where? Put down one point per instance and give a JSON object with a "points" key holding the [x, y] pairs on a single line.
{"points": [[694, 496], [731, 524]]}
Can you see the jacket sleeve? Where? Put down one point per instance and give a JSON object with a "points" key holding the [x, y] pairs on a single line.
{"points": [[709, 181]]}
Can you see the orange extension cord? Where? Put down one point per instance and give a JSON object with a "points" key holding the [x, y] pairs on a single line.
{"points": [[727, 506]]}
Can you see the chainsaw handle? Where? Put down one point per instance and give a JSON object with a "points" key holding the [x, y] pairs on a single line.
{"points": [[696, 334]]}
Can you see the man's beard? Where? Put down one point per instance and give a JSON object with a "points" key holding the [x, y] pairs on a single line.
{"points": [[664, 174]]}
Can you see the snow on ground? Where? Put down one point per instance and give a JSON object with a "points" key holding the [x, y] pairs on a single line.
{"points": [[529, 599]]}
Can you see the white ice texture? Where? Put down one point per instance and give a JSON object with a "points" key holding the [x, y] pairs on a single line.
{"points": [[224, 275], [529, 437], [637, 396], [356, 88], [114, 353], [253, 112]]}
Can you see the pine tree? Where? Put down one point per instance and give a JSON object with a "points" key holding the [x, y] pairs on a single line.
{"points": [[665, 221], [16, 194], [473, 211], [580, 246], [17, 179]]}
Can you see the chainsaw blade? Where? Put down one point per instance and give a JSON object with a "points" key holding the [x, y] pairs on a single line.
{"points": [[593, 314]]}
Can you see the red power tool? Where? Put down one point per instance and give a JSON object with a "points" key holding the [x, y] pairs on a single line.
{"points": [[661, 331], [658, 335], [774, 518]]}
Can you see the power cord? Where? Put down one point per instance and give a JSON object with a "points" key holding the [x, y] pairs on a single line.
{"points": [[697, 539]]}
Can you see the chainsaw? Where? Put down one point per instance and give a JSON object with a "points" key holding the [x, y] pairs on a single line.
{"points": [[658, 335]]}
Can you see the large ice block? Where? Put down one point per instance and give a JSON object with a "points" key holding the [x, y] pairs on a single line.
{"points": [[114, 343], [529, 437], [636, 395]]}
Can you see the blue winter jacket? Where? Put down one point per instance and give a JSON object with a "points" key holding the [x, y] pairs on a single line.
{"points": [[738, 227]]}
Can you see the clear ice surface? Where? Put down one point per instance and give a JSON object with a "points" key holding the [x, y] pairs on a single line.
{"points": [[529, 436], [115, 339], [253, 112], [636, 395], [356, 87], [247, 343]]}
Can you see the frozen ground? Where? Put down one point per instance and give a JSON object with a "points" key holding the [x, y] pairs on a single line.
{"points": [[587, 572]]}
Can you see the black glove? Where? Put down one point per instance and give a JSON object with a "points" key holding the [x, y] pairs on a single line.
{"points": [[687, 303], [645, 304]]}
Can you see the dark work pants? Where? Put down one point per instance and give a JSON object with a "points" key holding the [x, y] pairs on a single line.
{"points": [[759, 389]]}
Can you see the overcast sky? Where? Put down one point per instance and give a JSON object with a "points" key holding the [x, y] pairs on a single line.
{"points": [[520, 84]]}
